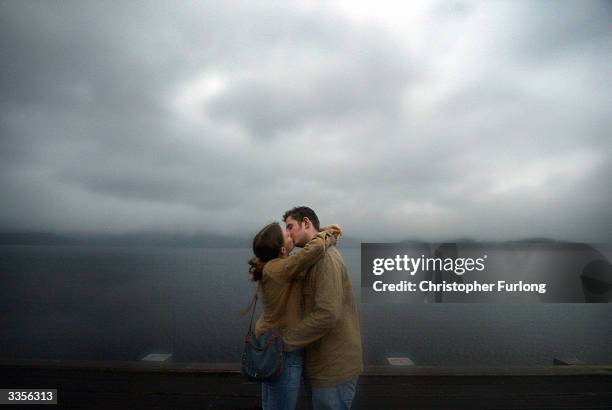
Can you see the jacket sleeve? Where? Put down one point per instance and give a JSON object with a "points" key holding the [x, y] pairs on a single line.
{"points": [[294, 266], [326, 312]]}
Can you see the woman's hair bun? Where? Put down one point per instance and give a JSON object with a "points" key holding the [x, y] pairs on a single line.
{"points": [[256, 269]]}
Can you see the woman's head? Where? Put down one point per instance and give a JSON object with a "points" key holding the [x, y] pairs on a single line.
{"points": [[273, 241]]}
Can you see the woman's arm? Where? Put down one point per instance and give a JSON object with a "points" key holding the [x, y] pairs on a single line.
{"points": [[297, 264], [335, 228]]}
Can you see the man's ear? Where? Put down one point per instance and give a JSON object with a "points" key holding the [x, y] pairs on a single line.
{"points": [[306, 222]]}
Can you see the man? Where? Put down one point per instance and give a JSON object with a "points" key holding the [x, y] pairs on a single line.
{"points": [[329, 329]]}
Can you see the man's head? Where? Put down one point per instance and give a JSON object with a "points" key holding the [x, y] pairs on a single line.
{"points": [[302, 224]]}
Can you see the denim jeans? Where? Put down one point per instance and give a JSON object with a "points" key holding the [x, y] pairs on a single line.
{"points": [[335, 397], [282, 393]]}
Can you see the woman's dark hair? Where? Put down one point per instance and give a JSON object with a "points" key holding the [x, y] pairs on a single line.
{"points": [[266, 246]]}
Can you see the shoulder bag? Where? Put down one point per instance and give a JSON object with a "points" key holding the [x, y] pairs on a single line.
{"points": [[262, 358]]}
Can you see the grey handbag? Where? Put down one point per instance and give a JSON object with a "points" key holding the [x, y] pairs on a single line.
{"points": [[262, 359]]}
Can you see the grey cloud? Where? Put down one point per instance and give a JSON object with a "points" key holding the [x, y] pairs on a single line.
{"points": [[553, 28], [317, 110], [266, 108], [345, 80]]}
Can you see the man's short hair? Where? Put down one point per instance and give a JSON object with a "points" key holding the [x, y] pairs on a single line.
{"points": [[300, 212]]}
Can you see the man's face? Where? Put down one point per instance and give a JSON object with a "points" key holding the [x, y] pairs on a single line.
{"points": [[297, 231]]}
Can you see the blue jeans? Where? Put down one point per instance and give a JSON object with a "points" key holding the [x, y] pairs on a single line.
{"points": [[335, 397], [282, 393]]}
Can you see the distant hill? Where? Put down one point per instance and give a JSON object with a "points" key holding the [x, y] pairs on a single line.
{"points": [[201, 240], [34, 238], [472, 240], [131, 239]]}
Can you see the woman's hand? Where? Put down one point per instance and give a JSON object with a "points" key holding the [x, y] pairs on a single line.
{"points": [[334, 228]]}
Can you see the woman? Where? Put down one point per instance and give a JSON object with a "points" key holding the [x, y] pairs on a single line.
{"points": [[280, 289]]}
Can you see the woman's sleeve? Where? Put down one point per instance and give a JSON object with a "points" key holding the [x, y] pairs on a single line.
{"points": [[296, 265]]}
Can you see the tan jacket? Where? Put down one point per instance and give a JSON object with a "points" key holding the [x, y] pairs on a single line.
{"points": [[281, 284], [330, 329]]}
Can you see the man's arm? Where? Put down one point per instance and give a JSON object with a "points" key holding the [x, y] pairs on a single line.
{"points": [[328, 296]]}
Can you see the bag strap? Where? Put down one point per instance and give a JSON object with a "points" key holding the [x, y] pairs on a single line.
{"points": [[252, 306]]}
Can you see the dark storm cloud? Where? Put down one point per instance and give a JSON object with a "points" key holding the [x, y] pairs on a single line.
{"points": [[482, 119]]}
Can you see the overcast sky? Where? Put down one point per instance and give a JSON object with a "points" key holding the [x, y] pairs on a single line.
{"points": [[430, 120]]}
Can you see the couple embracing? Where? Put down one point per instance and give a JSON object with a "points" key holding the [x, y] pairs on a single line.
{"points": [[308, 296]]}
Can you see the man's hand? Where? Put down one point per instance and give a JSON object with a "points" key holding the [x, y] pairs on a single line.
{"points": [[334, 228]]}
